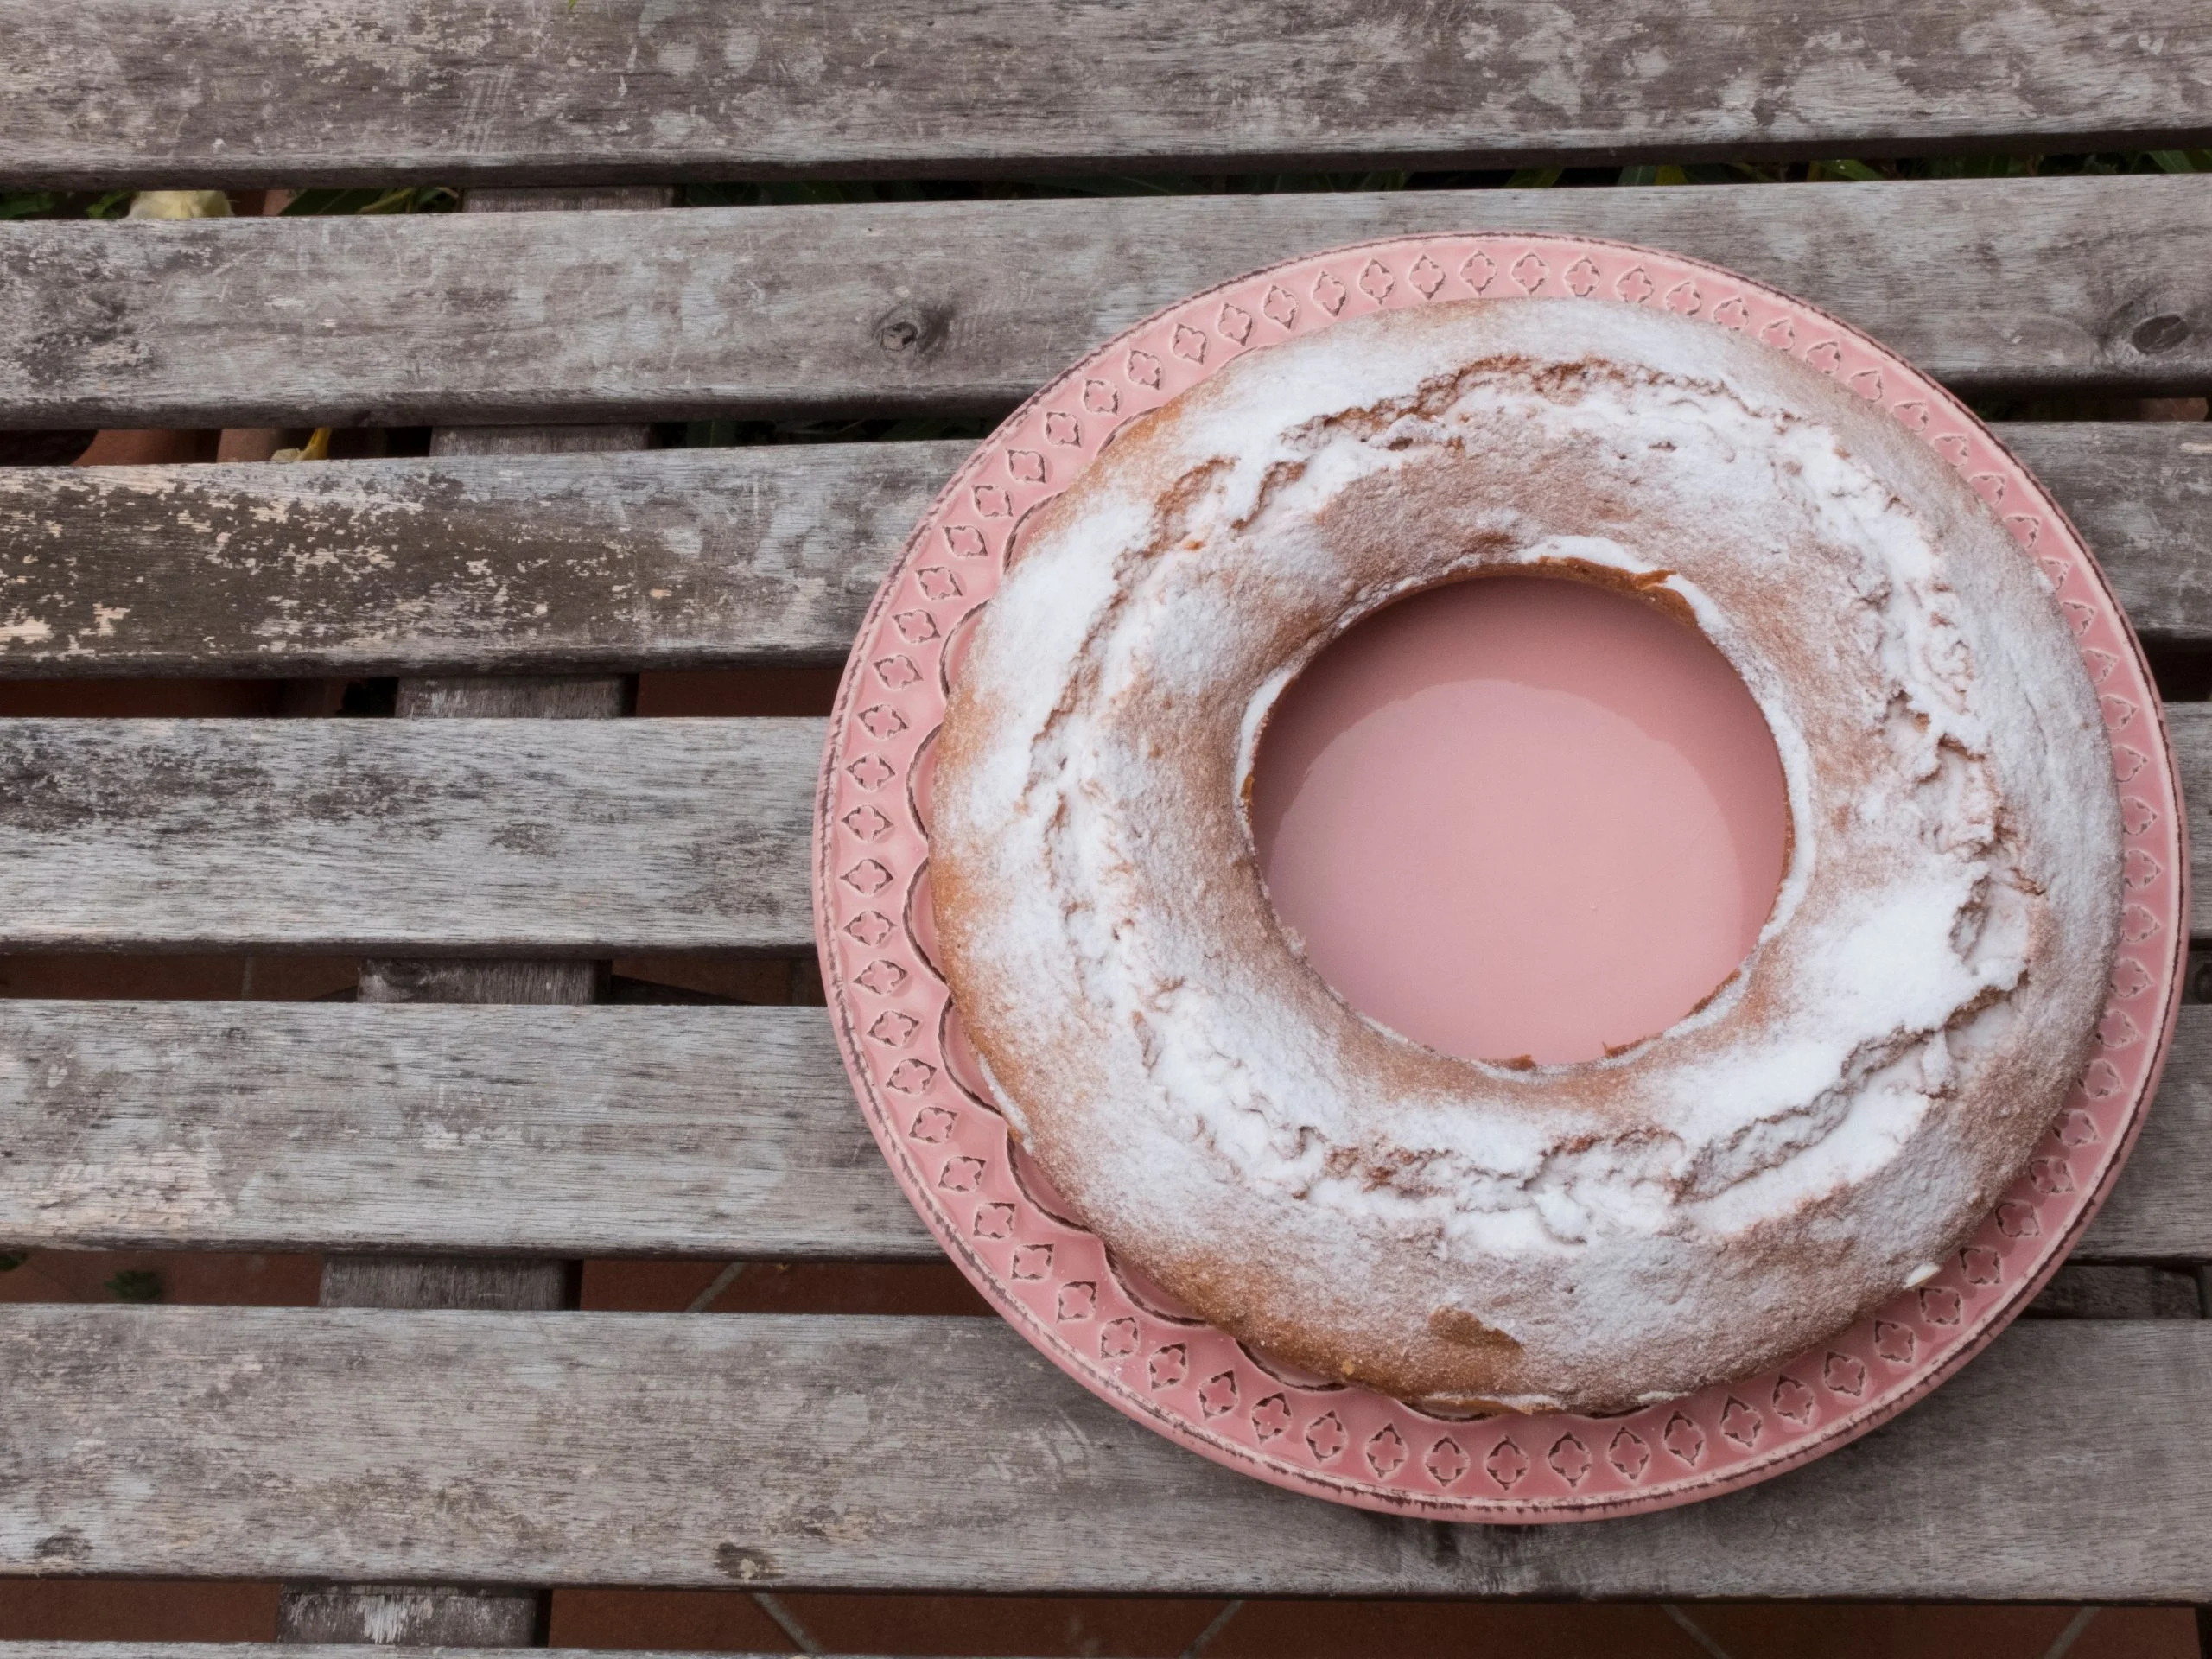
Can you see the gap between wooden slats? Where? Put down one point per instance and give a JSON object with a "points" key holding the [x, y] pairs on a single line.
{"points": [[511, 838], [715, 1133], [966, 306], [129, 1649], [676, 559], [247, 93], [947, 1454]]}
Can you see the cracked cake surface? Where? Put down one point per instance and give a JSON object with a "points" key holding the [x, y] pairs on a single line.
{"points": [[1464, 1234]]}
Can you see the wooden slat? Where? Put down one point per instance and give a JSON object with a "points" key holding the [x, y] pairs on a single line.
{"points": [[550, 1131], [717, 1133], [114, 91], [2191, 725], [496, 838], [2141, 493], [967, 306], [898, 1453], [2161, 1210], [679, 558], [2142, 498], [505, 837], [667, 559]]}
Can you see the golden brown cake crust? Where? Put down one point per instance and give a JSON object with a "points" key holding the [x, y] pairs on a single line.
{"points": [[1594, 1236]]}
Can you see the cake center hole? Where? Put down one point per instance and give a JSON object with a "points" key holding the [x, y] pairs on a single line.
{"points": [[1522, 817]]}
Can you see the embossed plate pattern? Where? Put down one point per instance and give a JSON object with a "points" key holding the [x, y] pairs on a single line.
{"points": [[917, 1082]]}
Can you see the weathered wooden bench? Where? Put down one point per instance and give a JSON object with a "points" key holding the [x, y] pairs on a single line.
{"points": [[460, 1130]]}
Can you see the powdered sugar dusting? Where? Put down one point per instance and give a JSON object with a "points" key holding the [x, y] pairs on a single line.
{"points": [[1827, 1124]]}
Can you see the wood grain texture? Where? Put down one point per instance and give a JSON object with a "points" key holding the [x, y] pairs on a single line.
{"points": [[672, 558], [562, 979], [899, 1453], [511, 838], [718, 1133], [2190, 724], [966, 306], [474, 1281], [681, 558], [357, 1280], [712, 1132], [2141, 493], [117, 93], [602, 697], [497, 838], [510, 1618], [387, 1613], [2161, 1208]]}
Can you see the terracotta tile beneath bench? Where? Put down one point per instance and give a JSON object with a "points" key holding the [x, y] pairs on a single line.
{"points": [[138, 1609], [1875, 1631], [731, 1621], [916, 1288], [1140, 1627], [203, 1278]]}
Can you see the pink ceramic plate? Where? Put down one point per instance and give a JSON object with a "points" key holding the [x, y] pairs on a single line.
{"points": [[917, 1079]]}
